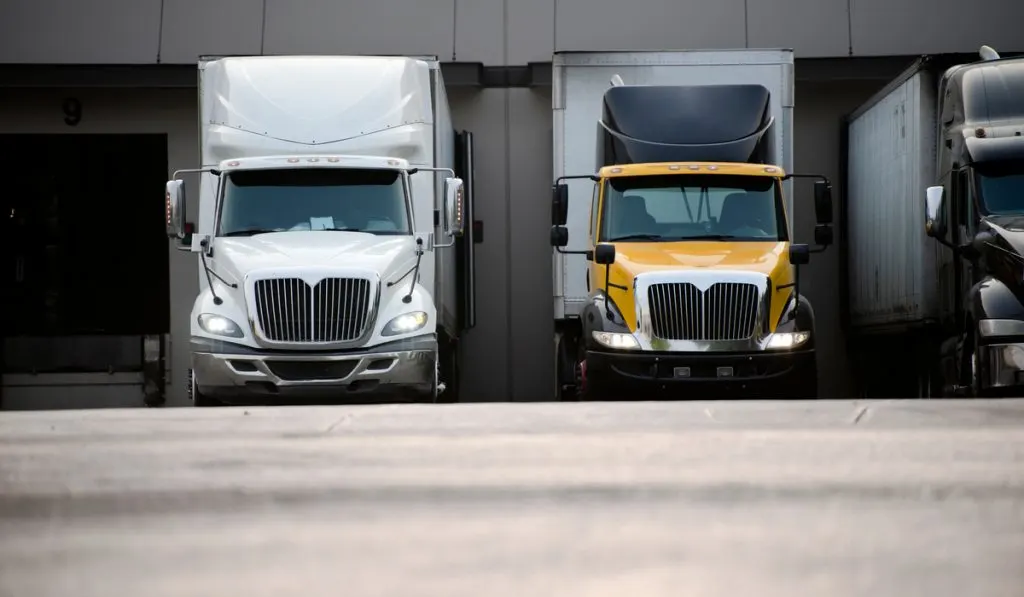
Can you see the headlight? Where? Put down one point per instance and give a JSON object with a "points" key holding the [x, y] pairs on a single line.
{"points": [[404, 324], [616, 340], [784, 340], [219, 325]]}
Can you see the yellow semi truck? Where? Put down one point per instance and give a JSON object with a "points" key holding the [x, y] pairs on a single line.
{"points": [[690, 273]]}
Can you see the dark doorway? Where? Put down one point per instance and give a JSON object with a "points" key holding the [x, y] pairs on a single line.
{"points": [[84, 251]]}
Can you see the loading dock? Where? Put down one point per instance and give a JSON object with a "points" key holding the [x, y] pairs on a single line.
{"points": [[85, 288]]}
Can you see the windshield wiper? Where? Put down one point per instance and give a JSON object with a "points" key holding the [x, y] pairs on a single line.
{"points": [[638, 237], [249, 232]]}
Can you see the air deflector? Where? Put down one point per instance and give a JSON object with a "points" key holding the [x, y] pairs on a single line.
{"points": [[715, 123]]}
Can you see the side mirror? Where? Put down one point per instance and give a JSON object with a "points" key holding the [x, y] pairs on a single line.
{"points": [[174, 206], [823, 201], [934, 213], [559, 204], [559, 236], [799, 254], [823, 235], [453, 204], [604, 254]]}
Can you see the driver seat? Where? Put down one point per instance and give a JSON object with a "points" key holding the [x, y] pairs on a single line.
{"points": [[742, 210]]}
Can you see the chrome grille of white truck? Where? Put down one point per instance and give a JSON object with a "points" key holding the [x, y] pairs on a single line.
{"points": [[334, 310], [681, 311]]}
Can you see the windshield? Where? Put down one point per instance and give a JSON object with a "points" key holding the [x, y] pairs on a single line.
{"points": [[363, 200], [1001, 187], [693, 207]]}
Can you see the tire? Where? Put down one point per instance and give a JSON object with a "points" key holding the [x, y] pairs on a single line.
{"points": [[588, 390], [200, 400], [567, 374], [448, 372]]}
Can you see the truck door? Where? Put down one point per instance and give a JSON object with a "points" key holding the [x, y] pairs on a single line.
{"points": [[465, 247]]}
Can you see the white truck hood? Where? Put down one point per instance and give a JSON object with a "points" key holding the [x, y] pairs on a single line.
{"points": [[236, 257]]}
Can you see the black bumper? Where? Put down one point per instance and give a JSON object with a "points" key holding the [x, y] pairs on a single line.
{"points": [[700, 376]]}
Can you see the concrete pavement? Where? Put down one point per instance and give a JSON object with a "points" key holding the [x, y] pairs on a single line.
{"points": [[830, 498]]}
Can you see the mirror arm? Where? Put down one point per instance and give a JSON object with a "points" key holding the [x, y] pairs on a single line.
{"points": [[796, 288], [589, 253], [942, 241], [592, 177]]}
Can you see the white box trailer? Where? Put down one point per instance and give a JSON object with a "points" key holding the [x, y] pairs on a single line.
{"points": [[891, 263], [580, 80], [314, 300]]}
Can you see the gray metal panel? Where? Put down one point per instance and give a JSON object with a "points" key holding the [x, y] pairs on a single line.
{"points": [[76, 32], [810, 27], [887, 27], [479, 32], [891, 162], [531, 30], [486, 348], [194, 27], [529, 242], [648, 24], [382, 27]]}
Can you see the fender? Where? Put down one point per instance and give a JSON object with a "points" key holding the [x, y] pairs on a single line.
{"points": [[992, 299], [804, 320], [594, 318]]}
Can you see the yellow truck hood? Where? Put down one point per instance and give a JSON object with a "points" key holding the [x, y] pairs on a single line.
{"points": [[631, 259]]}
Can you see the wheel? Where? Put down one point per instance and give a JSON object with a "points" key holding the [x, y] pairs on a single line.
{"points": [[587, 390], [198, 398], [448, 373], [567, 370]]}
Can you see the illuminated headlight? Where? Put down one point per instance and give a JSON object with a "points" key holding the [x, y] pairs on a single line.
{"points": [[218, 325], [406, 323], [1013, 356], [616, 340], [784, 340]]}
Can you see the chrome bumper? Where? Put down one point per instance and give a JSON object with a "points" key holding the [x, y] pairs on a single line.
{"points": [[224, 370], [1005, 365]]}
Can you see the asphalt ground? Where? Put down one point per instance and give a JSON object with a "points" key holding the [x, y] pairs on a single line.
{"points": [[828, 498]]}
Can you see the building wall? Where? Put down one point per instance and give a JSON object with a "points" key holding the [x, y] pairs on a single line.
{"points": [[510, 353], [489, 31]]}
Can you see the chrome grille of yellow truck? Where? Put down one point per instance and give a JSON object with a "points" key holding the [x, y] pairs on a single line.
{"points": [[334, 310], [682, 311]]}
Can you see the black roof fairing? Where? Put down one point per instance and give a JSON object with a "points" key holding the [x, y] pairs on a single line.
{"points": [[723, 123]]}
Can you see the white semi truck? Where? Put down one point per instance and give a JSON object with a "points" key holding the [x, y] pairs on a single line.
{"points": [[333, 258]]}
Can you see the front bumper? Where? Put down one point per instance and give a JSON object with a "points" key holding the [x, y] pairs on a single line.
{"points": [[232, 372], [637, 375]]}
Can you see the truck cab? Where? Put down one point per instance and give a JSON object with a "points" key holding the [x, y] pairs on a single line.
{"points": [[329, 230], [693, 271], [976, 210]]}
